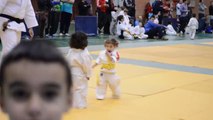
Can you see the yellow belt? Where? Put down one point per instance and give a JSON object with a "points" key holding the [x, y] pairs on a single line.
{"points": [[108, 66]]}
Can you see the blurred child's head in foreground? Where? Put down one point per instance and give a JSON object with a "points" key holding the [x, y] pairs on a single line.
{"points": [[35, 82]]}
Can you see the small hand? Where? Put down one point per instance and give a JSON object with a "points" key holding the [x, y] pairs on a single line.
{"points": [[31, 33], [94, 65], [108, 53], [106, 5]]}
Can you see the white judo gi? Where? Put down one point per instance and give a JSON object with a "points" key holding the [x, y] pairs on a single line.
{"points": [[193, 26], [113, 22], [81, 68], [170, 30], [121, 26], [139, 32], [118, 3], [107, 75], [21, 9]]}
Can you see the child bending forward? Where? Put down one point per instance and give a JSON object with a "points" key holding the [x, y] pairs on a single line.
{"points": [[108, 58]]}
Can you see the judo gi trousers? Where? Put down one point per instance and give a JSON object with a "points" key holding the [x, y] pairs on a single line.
{"points": [[9, 38], [110, 79], [192, 33], [80, 89]]}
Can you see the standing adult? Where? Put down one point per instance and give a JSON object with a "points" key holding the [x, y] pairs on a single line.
{"points": [[102, 6], [66, 15], [13, 14], [118, 3], [130, 6], [44, 7], [178, 13], [157, 7], [211, 13], [201, 9], [147, 11], [83, 8], [184, 16], [108, 17]]}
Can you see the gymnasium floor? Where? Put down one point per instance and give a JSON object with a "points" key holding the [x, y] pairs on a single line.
{"points": [[160, 80]]}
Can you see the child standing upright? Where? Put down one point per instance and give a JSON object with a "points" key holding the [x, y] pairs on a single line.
{"points": [[108, 58], [81, 65], [193, 26]]}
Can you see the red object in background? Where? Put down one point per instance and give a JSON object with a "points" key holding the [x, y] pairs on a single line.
{"points": [[175, 3], [102, 5], [148, 8]]}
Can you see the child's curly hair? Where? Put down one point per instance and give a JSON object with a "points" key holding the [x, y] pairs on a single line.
{"points": [[78, 40], [112, 41]]}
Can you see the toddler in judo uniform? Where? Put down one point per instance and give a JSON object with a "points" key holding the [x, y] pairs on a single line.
{"points": [[107, 59], [193, 26], [170, 30], [81, 65]]}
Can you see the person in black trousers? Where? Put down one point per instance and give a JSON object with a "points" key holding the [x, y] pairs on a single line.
{"points": [[211, 13], [44, 7]]}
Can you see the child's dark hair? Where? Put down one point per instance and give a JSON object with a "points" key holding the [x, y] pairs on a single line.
{"points": [[112, 41], [153, 16], [169, 23], [193, 15], [35, 51], [120, 17], [78, 40]]}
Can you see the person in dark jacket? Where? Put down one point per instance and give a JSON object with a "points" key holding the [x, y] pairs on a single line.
{"points": [[157, 7], [211, 13], [83, 8], [44, 7], [130, 5]]}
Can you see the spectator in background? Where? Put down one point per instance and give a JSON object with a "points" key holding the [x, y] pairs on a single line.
{"points": [[118, 3], [166, 9], [44, 7], [147, 11], [53, 19], [83, 8], [108, 17], [154, 30], [211, 13], [122, 29], [201, 9], [113, 23], [178, 12], [170, 30], [130, 5], [157, 7], [184, 16], [66, 15], [102, 6]]}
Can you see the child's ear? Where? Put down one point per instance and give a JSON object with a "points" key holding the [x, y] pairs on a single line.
{"points": [[69, 102]]}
